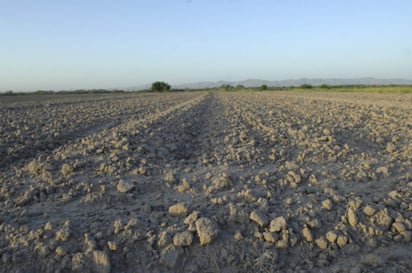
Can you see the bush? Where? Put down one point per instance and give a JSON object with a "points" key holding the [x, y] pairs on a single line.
{"points": [[263, 87]]}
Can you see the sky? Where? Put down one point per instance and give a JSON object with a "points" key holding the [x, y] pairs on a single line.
{"points": [[86, 44]]}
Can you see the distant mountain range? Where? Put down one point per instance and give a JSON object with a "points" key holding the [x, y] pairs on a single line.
{"points": [[286, 83], [295, 82]]}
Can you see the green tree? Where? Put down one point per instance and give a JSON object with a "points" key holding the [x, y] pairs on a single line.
{"points": [[263, 87], [306, 86], [160, 86], [324, 86], [226, 87]]}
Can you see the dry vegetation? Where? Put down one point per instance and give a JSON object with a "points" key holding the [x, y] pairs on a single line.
{"points": [[207, 182]]}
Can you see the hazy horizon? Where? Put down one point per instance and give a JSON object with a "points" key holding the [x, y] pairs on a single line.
{"points": [[55, 45]]}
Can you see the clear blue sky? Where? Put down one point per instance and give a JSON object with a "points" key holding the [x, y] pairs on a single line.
{"points": [[53, 44]]}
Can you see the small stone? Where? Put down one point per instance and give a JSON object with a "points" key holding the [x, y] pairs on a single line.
{"points": [[327, 204], [164, 239], [184, 238], [352, 218], [221, 182], [112, 246], [124, 186], [179, 209], [63, 234], [399, 227], [307, 234], [331, 237], [66, 169], [170, 177], [383, 170], [270, 237], [101, 261], [384, 219], [79, 263], [294, 177], [238, 236], [342, 241], [278, 224], [191, 218], [372, 260], [60, 251], [250, 196], [369, 211], [206, 230], [390, 147], [48, 226], [259, 218], [321, 243]]}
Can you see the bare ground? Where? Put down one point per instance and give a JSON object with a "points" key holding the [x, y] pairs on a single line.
{"points": [[207, 182]]}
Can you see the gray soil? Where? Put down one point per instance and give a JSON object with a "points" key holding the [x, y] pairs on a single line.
{"points": [[206, 182]]}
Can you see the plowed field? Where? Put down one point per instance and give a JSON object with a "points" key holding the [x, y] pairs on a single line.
{"points": [[206, 182]]}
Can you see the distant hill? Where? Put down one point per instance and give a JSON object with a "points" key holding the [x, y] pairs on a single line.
{"points": [[295, 82], [281, 83]]}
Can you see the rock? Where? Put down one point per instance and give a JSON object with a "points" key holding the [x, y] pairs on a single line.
{"points": [[179, 209], [399, 227], [270, 237], [48, 226], [331, 237], [66, 169], [191, 218], [63, 234], [184, 238], [124, 186], [112, 246], [283, 242], [259, 218], [170, 256], [61, 251], [342, 241], [80, 263], [293, 177], [250, 196], [384, 219], [206, 230], [390, 147], [321, 243], [383, 170], [34, 167], [278, 224], [372, 260], [352, 218], [101, 261], [221, 182], [369, 211], [307, 234], [327, 204], [170, 177], [164, 239]]}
